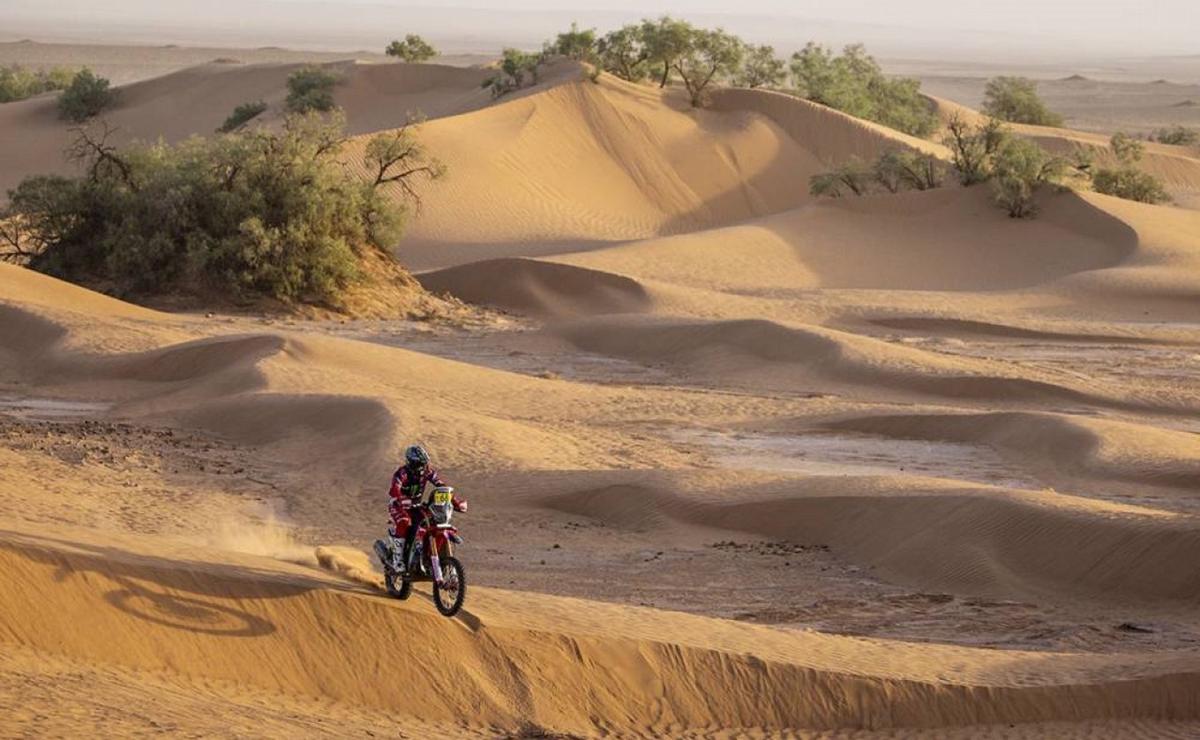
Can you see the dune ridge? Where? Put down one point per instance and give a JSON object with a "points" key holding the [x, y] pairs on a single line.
{"points": [[938, 536], [807, 358], [164, 615], [539, 288]]}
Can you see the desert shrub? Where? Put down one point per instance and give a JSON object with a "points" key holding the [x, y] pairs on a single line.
{"points": [[574, 44], [894, 171], [855, 84], [853, 177], [310, 88], [709, 55], [412, 49], [1131, 184], [761, 68], [242, 115], [517, 69], [1177, 136], [1021, 168], [1126, 180], [622, 53], [18, 83], [905, 169], [1015, 99], [1127, 149], [252, 213], [85, 97], [972, 148]]}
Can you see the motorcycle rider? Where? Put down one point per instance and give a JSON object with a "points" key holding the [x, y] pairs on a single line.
{"points": [[406, 494]]}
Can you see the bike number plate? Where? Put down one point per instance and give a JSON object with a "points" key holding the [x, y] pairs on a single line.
{"points": [[441, 498]]}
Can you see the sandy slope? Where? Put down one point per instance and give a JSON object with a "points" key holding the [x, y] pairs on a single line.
{"points": [[543, 663], [685, 286], [196, 100]]}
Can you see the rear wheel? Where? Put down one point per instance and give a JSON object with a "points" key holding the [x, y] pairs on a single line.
{"points": [[404, 590], [449, 594]]}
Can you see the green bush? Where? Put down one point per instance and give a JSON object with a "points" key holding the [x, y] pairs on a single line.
{"points": [[761, 68], [1126, 180], [905, 169], [1131, 184], [1176, 136], [241, 115], [85, 97], [1020, 169], [853, 176], [18, 83], [412, 49], [517, 69], [1015, 99], [895, 171], [310, 89], [855, 84], [1127, 149], [574, 44], [253, 213]]}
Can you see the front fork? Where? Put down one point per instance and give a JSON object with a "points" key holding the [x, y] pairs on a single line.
{"points": [[440, 543]]}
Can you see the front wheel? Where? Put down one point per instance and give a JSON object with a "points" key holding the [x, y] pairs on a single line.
{"points": [[449, 594]]}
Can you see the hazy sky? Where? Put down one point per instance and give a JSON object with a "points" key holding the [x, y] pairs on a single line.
{"points": [[1098, 28]]}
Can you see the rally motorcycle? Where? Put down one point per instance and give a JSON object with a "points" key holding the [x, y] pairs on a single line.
{"points": [[432, 557]]}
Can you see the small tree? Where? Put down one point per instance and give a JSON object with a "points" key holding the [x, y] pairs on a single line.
{"points": [[853, 176], [412, 49], [310, 88], [854, 83], [664, 41], [1015, 99], [709, 55], [397, 157], [1177, 136], [761, 68], [242, 115], [973, 148], [622, 53], [1020, 169], [575, 44], [85, 97]]}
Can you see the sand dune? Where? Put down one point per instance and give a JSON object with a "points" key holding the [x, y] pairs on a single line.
{"points": [[765, 354], [197, 100], [941, 536], [303, 635], [1094, 449], [539, 288], [677, 282], [595, 163], [936, 240]]}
